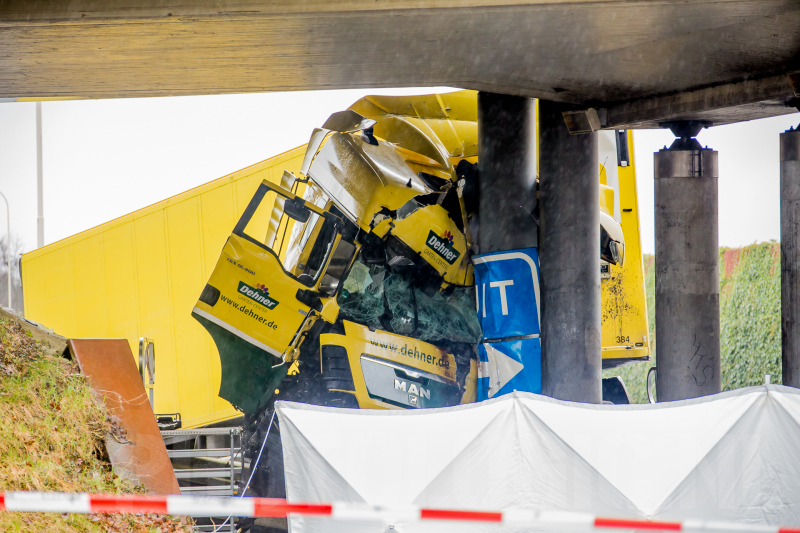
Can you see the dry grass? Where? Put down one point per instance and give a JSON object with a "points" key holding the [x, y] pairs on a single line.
{"points": [[51, 440]]}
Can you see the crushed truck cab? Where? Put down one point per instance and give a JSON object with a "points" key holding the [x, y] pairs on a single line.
{"points": [[352, 283]]}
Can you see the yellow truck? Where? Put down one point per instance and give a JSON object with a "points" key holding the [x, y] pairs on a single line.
{"points": [[352, 282], [345, 257]]}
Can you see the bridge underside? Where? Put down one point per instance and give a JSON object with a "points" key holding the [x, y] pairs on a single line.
{"points": [[641, 62]]}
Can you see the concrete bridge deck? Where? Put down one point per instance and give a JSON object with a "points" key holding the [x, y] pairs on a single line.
{"points": [[643, 61]]}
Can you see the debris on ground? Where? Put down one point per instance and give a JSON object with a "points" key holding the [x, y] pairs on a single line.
{"points": [[51, 439]]}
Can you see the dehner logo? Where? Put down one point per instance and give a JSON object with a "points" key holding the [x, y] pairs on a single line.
{"points": [[259, 295], [443, 246]]}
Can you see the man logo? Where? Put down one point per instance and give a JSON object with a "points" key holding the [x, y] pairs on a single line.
{"points": [[414, 391]]}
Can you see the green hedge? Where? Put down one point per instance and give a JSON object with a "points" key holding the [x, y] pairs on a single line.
{"points": [[750, 319]]}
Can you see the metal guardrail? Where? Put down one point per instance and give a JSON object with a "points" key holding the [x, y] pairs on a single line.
{"points": [[211, 490], [223, 476], [200, 452], [202, 473], [200, 431]]}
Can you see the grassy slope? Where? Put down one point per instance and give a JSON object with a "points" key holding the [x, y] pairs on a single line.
{"points": [[51, 439], [750, 314]]}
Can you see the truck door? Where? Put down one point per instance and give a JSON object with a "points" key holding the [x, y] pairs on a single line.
{"points": [[257, 297]]}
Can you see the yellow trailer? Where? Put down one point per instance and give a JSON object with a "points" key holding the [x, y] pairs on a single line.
{"points": [[139, 276]]}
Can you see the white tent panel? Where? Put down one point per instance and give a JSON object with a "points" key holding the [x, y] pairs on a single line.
{"points": [[523, 461], [598, 434], [734, 456], [411, 447], [752, 475]]}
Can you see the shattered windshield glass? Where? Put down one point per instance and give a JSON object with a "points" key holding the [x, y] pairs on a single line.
{"points": [[376, 297]]}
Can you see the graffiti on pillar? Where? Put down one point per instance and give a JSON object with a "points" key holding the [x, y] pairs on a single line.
{"points": [[700, 366]]}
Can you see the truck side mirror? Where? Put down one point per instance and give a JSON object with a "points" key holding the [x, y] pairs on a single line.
{"points": [[296, 209]]}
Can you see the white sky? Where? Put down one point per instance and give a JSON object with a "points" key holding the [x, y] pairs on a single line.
{"points": [[106, 158]]}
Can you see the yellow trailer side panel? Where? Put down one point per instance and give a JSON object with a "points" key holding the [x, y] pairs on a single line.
{"points": [[139, 276]]}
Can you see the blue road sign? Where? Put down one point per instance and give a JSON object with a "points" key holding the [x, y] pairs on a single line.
{"points": [[510, 356], [507, 366], [507, 286]]}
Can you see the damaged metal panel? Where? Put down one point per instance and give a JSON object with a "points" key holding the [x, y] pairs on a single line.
{"points": [[362, 178], [450, 120], [399, 174], [139, 455]]}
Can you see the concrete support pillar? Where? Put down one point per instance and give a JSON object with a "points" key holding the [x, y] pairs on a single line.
{"points": [[507, 306], [507, 167], [790, 256], [687, 270], [569, 255]]}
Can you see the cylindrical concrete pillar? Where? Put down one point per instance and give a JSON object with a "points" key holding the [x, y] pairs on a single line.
{"points": [[790, 256], [687, 272], [569, 256], [507, 169]]}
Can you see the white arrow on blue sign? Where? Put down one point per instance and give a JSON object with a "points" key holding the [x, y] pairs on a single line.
{"points": [[507, 366]]}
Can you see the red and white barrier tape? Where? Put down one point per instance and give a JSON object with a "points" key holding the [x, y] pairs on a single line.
{"points": [[60, 502]]}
